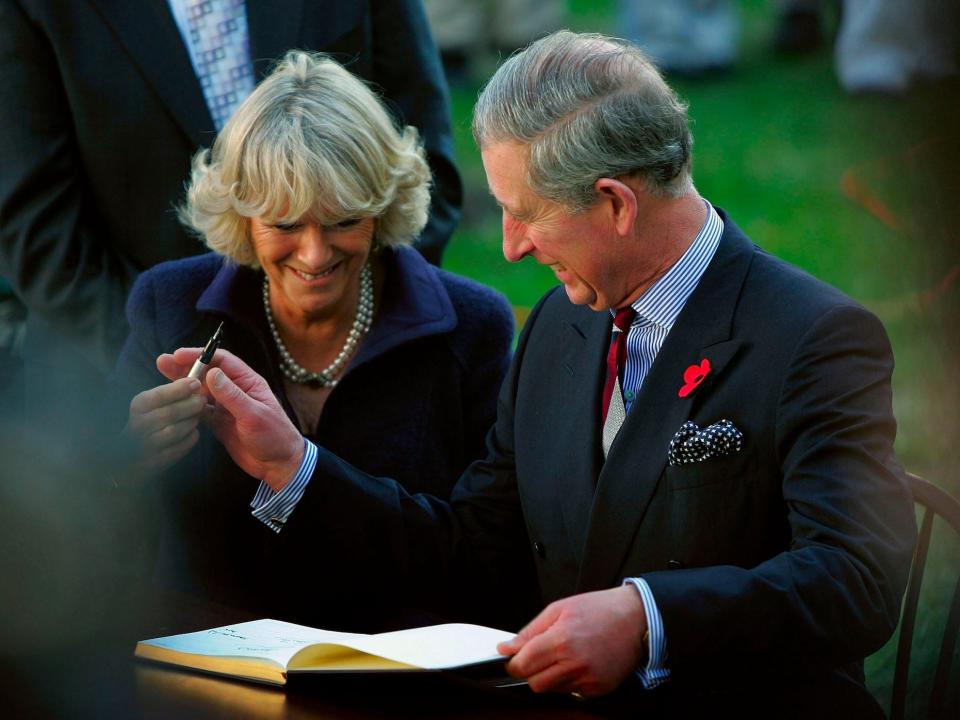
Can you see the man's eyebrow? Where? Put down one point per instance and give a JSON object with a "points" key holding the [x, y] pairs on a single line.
{"points": [[515, 212]]}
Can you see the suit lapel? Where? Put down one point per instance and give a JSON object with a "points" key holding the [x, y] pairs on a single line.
{"points": [[148, 33], [583, 356], [638, 456]]}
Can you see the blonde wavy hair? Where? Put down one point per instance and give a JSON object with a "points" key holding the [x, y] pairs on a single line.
{"points": [[311, 138]]}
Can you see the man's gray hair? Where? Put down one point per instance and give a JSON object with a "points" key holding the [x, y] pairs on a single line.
{"points": [[587, 106]]}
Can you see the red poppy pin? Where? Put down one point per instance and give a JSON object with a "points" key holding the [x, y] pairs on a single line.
{"points": [[693, 376]]}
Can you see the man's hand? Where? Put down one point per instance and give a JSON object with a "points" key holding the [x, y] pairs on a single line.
{"points": [[587, 643], [245, 416]]}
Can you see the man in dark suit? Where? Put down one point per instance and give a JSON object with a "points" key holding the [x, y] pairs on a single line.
{"points": [[102, 109], [705, 491]]}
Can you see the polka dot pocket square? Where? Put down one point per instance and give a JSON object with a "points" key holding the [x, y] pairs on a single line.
{"points": [[693, 445]]}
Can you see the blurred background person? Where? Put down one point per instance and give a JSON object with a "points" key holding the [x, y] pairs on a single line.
{"points": [[683, 37], [889, 45], [799, 26], [465, 29], [309, 199], [103, 104]]}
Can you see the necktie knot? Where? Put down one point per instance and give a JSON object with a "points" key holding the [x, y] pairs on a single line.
{"points": [[624, 318]]}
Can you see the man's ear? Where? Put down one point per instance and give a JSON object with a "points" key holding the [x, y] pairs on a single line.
{"points": [[621, 201]]}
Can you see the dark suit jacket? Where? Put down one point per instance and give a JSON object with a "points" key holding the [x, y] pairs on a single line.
{"points": [[101, 113], [782, 565]]}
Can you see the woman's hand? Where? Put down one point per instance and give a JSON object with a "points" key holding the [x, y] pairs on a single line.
{"points": [[245, 416], [163, 421]]}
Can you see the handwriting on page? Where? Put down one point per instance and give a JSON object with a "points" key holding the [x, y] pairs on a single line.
{"points": [[258, 645]]}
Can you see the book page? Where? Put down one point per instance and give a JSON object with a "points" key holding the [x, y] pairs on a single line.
{"points": [[436, 647], [267, 639]]}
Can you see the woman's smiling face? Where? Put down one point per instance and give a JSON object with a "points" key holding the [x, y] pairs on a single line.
{"points": [[314, 269]]}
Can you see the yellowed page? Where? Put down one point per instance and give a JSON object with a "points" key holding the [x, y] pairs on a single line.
{"points": [[435, 647]]}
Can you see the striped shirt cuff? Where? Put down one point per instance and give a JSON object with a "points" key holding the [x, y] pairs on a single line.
{"points": [[655, 672], [273, 508]]}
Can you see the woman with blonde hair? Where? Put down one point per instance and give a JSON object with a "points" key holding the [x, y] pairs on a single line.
{"points": [[308, 199]]}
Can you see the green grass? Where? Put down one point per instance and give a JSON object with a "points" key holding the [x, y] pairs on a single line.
{"points": [[775, 141]]}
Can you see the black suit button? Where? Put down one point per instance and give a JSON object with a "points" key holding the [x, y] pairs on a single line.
{"points": [[539, 549], [674, 564]]}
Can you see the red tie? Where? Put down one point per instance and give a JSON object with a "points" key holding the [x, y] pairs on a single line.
{"points": [[617, 355]]}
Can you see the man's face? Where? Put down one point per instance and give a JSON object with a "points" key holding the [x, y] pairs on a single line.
{"points": [[580, 248]]}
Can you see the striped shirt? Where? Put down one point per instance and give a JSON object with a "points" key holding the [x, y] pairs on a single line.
{"points": [[273, 508], [657, 310], [655, 672]]}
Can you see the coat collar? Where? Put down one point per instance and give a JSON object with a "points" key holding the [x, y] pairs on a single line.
{"points": [[586, 338], [414, 303], [629, 477]]}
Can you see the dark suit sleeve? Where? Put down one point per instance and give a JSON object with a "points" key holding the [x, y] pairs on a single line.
{"points": [[489, 326], [407, 66], [49, 247], [834, 595]]}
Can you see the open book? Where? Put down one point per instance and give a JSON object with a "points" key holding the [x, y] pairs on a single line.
{"points": [[269, 650]]}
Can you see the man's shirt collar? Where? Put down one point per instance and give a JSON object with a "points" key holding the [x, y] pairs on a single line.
{"points": [[662, 302]]}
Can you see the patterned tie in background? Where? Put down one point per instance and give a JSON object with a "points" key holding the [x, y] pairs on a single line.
{"points": [[218, 30]]}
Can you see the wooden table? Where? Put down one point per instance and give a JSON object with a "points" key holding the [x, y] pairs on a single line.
{"points": [[166, 693]]}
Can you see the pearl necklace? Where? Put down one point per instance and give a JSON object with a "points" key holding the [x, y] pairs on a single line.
{"points": [[361, 325]]}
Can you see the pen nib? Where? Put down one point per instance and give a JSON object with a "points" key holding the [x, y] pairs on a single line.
{"points": [[212, 344]]}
